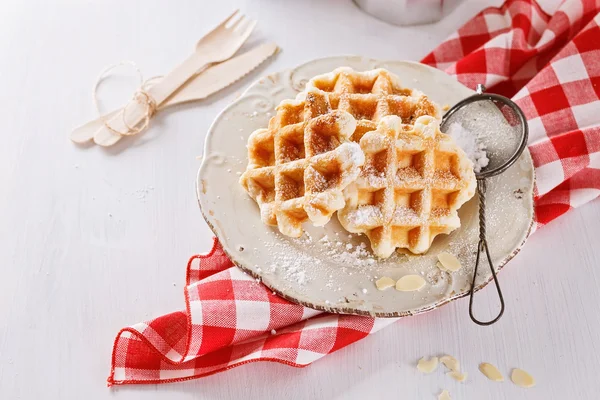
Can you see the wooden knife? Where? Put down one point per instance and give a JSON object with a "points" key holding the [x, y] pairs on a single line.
{"points": [[203, 85]]}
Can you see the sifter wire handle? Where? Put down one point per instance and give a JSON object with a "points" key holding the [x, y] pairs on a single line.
{"points": [[481, 189]]}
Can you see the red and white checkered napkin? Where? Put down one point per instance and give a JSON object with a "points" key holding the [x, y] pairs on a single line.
{"points": [[549, 64], [230, 320]]}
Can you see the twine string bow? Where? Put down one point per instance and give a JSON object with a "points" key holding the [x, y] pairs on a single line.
{"points": [[140, 96]]}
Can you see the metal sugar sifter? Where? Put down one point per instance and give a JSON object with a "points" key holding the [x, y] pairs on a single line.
{"points": [[501, 131]]}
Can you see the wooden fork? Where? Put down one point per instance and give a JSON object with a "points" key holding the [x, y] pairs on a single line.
{"points": [[216, 46]]}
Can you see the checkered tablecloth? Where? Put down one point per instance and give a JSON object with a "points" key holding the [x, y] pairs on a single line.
{"points": [[550, 65]]}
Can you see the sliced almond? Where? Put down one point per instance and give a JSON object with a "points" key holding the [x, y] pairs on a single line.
{"points": [[385, 283], [450, 362], [522, 378], [491, 372], [410, 283], [458, 376], [427, 366], [449, 261], [445, 395], [441, 267]]}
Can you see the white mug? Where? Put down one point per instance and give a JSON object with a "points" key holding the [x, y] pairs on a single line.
{"points": [[403, 12]]}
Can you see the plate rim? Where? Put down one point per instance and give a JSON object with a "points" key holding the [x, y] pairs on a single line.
{"points": [[340, 310]]}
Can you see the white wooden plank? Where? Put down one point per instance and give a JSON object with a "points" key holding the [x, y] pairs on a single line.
{"points": [[93, 240]]}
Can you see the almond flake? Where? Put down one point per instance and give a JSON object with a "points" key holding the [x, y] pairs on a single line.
{"points": [[522, 378], [384, 283], [449, 261], [444, 395], [410, 283], [458, 376], [491, 372], [451, 363], [427, 366], [441, 267]]}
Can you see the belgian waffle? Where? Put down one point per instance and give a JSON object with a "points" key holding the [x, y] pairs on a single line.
{"points": [[369, 96], [409, 190], [299, 166]]}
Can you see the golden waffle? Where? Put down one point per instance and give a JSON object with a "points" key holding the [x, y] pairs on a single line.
{"points": [[368, 96], [409, 190], [299, 166]]}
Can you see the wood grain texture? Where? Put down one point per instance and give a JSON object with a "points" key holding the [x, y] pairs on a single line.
{"points": [[92, 239]]}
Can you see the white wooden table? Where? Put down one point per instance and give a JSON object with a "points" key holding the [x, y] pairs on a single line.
{"points": [[80, 226]]}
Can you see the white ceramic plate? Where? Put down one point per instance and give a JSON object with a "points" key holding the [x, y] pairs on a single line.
{"points": [[327, 269]]}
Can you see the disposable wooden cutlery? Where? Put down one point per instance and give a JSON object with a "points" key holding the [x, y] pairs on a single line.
{"points": [[199, 87], [218, 45]]}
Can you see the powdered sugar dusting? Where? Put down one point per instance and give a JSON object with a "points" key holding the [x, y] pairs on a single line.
{"points": [[290, 263], [355, 154], [468, 141], [405, 214], [366, 215]]}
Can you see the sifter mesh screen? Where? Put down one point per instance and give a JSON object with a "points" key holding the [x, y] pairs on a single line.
{"points": [[498, 125]]}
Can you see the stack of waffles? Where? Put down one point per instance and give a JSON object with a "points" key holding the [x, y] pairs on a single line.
{"points": [[360, 144]]}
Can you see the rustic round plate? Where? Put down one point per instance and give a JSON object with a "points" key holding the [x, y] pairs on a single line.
{"points": [[327, 268]]}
